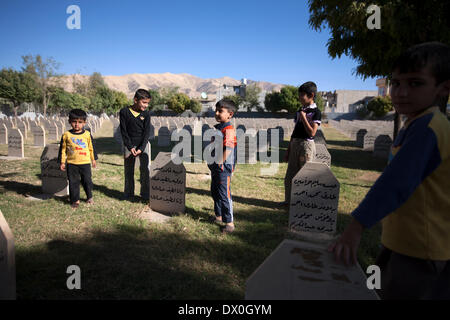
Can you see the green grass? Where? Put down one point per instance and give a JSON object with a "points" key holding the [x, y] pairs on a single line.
{"points": [[123, 257]]}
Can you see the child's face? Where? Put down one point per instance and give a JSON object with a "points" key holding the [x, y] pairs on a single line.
{"points": [[414, 92], [142, 104], [77, 124], [223, 115], [304, 99]]}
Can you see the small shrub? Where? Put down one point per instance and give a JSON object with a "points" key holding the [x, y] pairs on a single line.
{"points": [[380, 106]]}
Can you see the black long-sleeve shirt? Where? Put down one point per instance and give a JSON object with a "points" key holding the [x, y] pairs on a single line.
{"points": [[135, 130]]}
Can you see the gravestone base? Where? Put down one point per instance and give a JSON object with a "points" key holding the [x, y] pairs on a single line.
{"points": [[299, 270], [55, 187], [12, 158], [150, 215]]}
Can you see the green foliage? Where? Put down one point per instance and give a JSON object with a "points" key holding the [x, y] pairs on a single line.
{"points": [[95, 82], [251, 99], [44, 73], [289, 99], [17, 87], [237, 99], [156, 101], [61, 100], [272, 101], [178, 102], [318, 100], [103, 99], [380, 106], [195, 106], [403, 24]]}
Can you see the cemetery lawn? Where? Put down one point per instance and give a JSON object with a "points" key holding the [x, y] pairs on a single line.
{"points": [[124, 257]]}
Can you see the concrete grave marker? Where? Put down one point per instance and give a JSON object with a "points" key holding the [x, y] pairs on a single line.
{"points": [[382, 146], [305, 271], [314, 200], [54, 181], [15, 143], [163, 137], [3, 134], [53, 133], [39, 136], [167, 185], [322, 155], [7, 262]]}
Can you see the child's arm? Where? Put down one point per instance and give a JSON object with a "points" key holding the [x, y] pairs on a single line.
{"points": [[62, 155], [418, 157], [123, 130], [311, 130], [140, 149], [92, 152]]}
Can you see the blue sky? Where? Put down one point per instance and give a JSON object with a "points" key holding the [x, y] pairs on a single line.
{"points": [[254, 39]]}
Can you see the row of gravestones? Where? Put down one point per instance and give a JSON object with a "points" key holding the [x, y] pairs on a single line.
{"points": [[295, 270], [375, 136]]}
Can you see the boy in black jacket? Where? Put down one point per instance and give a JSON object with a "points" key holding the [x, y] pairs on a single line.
{"points": [[135, 130]]}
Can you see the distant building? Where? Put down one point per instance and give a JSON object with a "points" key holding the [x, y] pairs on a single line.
{"points": [[383, 87], [345, 101], [229, 90]]}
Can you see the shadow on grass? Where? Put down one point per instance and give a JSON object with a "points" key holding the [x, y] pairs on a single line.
{"points": [[342, 143], [27, 189], [134, 263], [356, 159], [250, 201]]}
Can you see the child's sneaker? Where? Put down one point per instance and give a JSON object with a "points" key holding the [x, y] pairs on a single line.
{"points": [[216, 220], [90, 201], [227, 229]]}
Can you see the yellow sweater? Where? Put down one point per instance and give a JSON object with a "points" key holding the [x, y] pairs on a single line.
{"points": [[77, 148]]}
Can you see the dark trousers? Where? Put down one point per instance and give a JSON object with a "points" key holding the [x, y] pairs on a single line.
{"points": [[221, 194], [144, 166], [404, 277], [75, 173]]}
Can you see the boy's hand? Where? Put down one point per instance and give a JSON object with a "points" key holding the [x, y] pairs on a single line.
{"points": [[346, 247], [94, 164], [133, 151], [138, 152], [63, 167], [302, 115]]}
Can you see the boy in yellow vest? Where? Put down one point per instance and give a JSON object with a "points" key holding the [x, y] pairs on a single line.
{"points": [[411, 197], [77, 149]]}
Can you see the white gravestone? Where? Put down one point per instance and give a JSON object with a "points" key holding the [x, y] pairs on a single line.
{"points": [[39, 136], [314, 200], [53, 132], [3, 134], [54, 181], [7, 262], [167, 185], [306, 271], [15, 143]]}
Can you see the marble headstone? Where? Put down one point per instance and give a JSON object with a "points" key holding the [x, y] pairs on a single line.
{"points": [[314, 200], [163, 137], [15, 143], [298, 270], [7, 262], [3, 134], [39, 136], [54, 181], [167, 185], [322, 155]]}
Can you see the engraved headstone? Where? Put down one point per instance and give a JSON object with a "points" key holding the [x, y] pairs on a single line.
{"points": [[3, 134], [15, 143], [23, 128], [298, 270], [322, 155], [54, 181], [7, 262], [39, 136], [360, 137], [53, 132], [314, 200], [167, 185]]}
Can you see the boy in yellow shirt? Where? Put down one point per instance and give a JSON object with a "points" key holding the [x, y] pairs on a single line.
{"points": [[77, 149]]}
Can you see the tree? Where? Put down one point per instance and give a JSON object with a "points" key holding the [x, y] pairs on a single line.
{"points": [[95, 82], [156, 99], [17, 87], [103, 99], [403, 24], [195, 106], [318, 100], [251, 99], [272, 101], [380, 106], [178, 102], [45, 73], [120, 101], [237, 99], [62, 100], [289, 99]]}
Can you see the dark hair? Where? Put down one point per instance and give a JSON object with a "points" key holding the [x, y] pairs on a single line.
{"points": [[77, 114], [142, 94], [227, 104], [309, 88], [436, 55]]}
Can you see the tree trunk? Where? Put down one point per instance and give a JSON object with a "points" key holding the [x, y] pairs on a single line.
{"points": [[15, 107]]}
